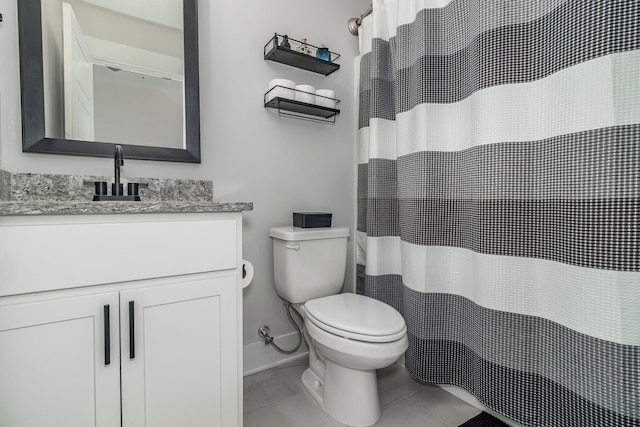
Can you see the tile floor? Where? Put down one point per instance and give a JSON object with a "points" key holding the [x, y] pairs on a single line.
{"points": [[276, 398]]}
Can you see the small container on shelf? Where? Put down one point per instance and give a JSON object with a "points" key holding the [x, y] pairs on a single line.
{"points": [[323, 53], [285, 41], [303, 47]]}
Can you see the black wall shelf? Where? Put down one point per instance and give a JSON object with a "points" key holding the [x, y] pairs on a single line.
{"points": [[302, 107], [302, 110], [273, 51]]}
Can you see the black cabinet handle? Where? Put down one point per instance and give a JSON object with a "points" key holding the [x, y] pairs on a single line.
{"points": [[132, 338], [107, 336]]}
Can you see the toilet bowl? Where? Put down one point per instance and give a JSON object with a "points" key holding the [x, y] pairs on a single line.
{"points": [[349, 336], [347, 387]]}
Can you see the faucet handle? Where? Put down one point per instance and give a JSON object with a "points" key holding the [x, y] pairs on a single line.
{"points": [[100, 187], [133, 187]]}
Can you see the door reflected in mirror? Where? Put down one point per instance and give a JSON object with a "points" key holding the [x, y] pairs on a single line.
{"points": [[122, 71]]}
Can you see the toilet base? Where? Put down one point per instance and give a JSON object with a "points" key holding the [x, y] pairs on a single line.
{"points": [[347, 395]]}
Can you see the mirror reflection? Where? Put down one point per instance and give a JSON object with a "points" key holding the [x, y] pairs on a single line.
{"points": [[113, 71]]}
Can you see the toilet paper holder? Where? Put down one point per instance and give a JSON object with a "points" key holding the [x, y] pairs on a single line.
{"points": [[247, 273]]}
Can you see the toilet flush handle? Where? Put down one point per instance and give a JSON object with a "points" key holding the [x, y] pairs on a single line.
{"points": [[292, 246]]}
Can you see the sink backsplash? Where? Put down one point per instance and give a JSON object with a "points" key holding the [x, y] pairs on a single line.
{"points": [[69, 188], [5, 185]]}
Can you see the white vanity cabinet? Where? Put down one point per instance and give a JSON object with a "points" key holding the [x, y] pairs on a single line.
{"points": [[129, 320], [175, 371], [52, 362]]}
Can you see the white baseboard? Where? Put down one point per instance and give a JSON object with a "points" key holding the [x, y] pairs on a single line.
{"points": [[259, 357]]}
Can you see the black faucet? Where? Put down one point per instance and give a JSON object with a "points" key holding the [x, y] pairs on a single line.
{"points": [[117, 188], [118, 157]]}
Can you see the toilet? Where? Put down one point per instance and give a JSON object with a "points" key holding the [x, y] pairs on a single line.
{"points": [[349, 335]]}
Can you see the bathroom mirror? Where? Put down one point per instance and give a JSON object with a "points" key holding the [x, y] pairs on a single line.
{"points": [[96, 73]]}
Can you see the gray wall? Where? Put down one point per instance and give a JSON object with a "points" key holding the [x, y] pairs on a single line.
{"points": [[251, 154]]}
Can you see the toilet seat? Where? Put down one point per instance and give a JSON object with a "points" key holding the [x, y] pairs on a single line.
{"points": [[356, 317]]}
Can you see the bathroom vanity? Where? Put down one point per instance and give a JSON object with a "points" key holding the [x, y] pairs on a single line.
{"points": [[120, 318]]}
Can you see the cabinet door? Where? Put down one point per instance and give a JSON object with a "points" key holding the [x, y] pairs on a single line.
{"points": [[183, 367], [53, 369]]}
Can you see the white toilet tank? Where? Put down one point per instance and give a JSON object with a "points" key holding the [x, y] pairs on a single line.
{"points": [[309, 263]]}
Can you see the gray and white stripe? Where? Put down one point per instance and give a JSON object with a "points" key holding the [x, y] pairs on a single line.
{"points": [[499, 199]]}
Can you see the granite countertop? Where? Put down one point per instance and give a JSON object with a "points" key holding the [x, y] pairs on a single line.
{"points": [[44, 194], [15, 208]]}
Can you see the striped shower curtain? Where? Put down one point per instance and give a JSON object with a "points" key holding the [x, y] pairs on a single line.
{"points": [[499, 199]]}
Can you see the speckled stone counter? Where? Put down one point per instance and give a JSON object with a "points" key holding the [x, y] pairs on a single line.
{"points": [[5, 185], [33, 186], [42, 194], [94, 208]]}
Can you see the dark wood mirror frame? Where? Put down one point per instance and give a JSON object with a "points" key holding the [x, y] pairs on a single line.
{"points": [[32, 94]]}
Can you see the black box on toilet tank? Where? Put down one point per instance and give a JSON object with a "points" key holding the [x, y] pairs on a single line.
{"points": [[311, 219]]}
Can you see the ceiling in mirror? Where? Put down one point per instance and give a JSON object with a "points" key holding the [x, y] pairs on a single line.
{"points": [[112, 72]]}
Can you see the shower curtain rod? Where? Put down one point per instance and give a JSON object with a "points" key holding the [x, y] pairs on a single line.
{"points": [[354, 23]]}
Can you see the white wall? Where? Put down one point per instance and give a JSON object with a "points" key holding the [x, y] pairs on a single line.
{"points": [[280, 164], [155, 102], [251, 154]]}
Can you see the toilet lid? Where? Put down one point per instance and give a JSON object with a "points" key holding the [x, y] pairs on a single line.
{"points": [[356, 317]]}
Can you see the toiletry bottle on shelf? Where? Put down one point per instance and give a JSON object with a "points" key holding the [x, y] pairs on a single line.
{"points": [[323, 53], [285, 42]]}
